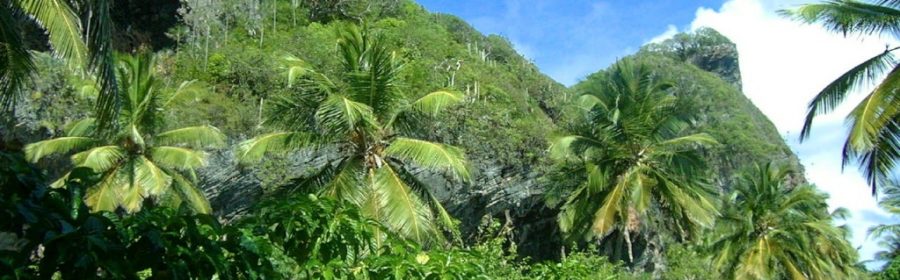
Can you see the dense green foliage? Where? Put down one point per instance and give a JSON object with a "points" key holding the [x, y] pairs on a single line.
{"points": [[373, 131]]}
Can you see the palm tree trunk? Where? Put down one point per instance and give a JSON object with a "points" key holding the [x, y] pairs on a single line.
{"points": [[628, 244]]}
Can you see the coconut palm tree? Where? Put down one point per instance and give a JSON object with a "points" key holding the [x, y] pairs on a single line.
{"points": [[873, 139], [138, 162], [84, 48], [889, 234], [639, 165], [770, 230], [361, 118]]}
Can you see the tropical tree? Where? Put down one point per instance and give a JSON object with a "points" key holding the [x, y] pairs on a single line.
{"points": [[639, 165], [874, 129], [771, 230], [83, 48], [889, 234], [361, 119], [137, 161]]}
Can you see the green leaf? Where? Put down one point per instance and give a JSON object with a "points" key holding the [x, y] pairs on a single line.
{"points": [[188, 193], [38, 150], [62, 26], [404, 211], [430, 155], [196, 136], [340, 115], [150, 179], [253, 150], [177, 158], [104, 196], [435, 102], [100, 159]]}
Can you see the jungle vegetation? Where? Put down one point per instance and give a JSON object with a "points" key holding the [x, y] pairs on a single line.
{"points": [[351, 139]]}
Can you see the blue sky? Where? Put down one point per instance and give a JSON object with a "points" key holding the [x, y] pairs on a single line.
{"points": [[781, 63], [570, 39]]}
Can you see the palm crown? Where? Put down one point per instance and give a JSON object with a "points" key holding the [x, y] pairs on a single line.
{"points": [[636, 160], [874, 129], [363, 115], [136, 162], [770, 229]]}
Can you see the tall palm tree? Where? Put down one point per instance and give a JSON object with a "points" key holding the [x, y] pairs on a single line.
{"points": [[84, 48], [873, 139], [770, 230], [636, 159], [137, 161], [363, 116]]}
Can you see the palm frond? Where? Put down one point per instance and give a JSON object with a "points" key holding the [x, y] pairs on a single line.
{"points": [[101, 60], [177, 158], [607, 215], [430, 155], [38, 150], [82, 128], [346, 183], [403, 211], [104, 196], [100, 159], [150, 179], [63, 27], [423, 191], [850, 16], [434, 103], [338, 115], [204, 136], [189, 194], [253, 150], [294, 68], [16, 65]]}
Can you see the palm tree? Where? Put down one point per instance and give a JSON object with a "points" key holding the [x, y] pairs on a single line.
{"points": [[363, 116], [873, 139], [888, 233], [769, 230], [136, 162], [86, 49], [637, 160]]}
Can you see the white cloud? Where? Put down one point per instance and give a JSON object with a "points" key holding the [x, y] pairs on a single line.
{"points": [[670, 32], [784, 64]]}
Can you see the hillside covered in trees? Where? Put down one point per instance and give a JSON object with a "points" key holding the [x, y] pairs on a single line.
{"points": [[375, 140]]}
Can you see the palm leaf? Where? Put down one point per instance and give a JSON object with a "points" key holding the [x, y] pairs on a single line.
{"points": [[62, 26], [189, 194], [338, 115], [83, 128], [346, 185], [849, 16], [38, 150], [150, 179], [423, 191], [104, 196], [254, 149], [16, 65], [99, 159], [835, 93], [101, 60], [430, 155], [186, 91], [177, 158], [294, 68], [606, 216], [435, 102], [195, 136], [403, 211]]}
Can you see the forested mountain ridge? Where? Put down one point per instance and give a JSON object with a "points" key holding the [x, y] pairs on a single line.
{"points": [[244, 51]]}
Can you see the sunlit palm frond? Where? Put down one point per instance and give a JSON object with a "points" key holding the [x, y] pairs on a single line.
{"points": [[346, 182], [104, 196], [82, 128], [63, 27], [178, 158], [430, 155], [294, 68], [204, 136], [186, 91], [404, 212], [190, 195], [434, 103], [149, 178], [60, 145], [101, 60], [850, 16], [339, 115], [254, 149], [100, 159], [422, 190]]}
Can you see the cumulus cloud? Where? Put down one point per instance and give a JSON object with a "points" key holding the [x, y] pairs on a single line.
{"points": [[784, 64], [670, 32]]}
